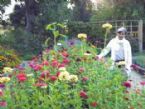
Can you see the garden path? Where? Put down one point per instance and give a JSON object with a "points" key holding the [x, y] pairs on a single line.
{"points": [[136, 78]]}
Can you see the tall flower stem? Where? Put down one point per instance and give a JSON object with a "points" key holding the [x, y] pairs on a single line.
{"points": [[105, 40]]}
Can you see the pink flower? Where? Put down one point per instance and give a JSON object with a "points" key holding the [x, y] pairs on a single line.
{"points": [[127, 84], [83, 94], [61, 65], [81, 69], [66, 61], [142, 83], [84, 79], [32, 64], [38, 67], [3, 103], [54, 63], [1, 93], [45, 63]]}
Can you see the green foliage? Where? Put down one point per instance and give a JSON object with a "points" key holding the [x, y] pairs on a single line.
{"points": [[112, 9], [139, 59], [95, 83], [23, 42], [93, 30], [8, 58], [55, 28]]}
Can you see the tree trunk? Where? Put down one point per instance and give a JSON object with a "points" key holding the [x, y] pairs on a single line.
{"points": [[30, 15]]}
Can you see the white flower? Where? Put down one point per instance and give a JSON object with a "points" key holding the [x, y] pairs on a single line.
{"points": [[7, 70], [62, 69], [64, 76], [73, 78], [59, 44]]}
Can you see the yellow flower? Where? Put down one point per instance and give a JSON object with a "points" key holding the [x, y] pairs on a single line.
{"points": [[7, 70], [82, 36], [107, 26], [4, 79], [62, 69], [73, 78], [64, 76]]}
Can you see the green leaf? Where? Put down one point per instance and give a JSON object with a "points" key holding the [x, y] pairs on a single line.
{"points": [[56, 33]]}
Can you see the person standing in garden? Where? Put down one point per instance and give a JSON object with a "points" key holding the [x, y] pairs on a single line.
{"points": [[120, 50]]}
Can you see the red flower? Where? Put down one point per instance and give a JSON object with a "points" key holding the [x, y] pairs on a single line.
{"points": [[61, 65], [84, 79], [53, 78], [45, 62], [93, 104], [38, 67], [66, 61], [3, 103], [57, 74], [54, 63], [65, 54], [21, 77], [83, 94], [44, 74], [127, 84]]}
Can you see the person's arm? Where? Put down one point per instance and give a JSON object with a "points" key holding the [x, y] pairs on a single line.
{"points": [[129, 57], [106, 50]]}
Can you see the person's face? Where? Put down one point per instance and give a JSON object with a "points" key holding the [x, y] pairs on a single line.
{"points": [[120, 35]]}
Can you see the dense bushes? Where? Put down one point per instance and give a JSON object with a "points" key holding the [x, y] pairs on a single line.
{"points": [[23, 42]]}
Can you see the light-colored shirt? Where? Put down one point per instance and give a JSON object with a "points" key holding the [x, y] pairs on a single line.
{"points": [[120, 49]]}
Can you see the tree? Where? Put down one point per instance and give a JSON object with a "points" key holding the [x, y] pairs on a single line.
{"points": [[82, 10]]}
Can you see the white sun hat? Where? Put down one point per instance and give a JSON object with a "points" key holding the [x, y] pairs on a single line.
{"points": [[121, 29]]}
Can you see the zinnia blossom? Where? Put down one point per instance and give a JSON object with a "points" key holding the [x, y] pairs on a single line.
{"points": [[73, 78], [63, 76], [82, 36], [45, 63], [107, 26], [93, 104], [3, 103], [127, 84], [84, 79], [142, 83], [53, 78], [1, 93], [7, 70], [83, 94], [21, 77], [54, 63], [4, 79]]}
